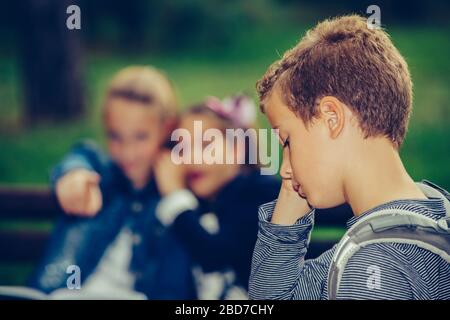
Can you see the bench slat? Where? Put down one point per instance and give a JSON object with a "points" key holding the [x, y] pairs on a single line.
{"points": [[38, 203], [22, 246], [28, 246], [27, 202]]}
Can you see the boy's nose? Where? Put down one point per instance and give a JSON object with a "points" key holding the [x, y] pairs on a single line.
{"points": [[129, 153], [286, 169]]}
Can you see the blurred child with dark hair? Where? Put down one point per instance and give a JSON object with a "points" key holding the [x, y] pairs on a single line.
{"points": [[212, 207]]}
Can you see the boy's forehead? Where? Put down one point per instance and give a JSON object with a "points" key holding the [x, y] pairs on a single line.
{"points": [[130, 113], [274, 107], [268, 100], [125, 106]]}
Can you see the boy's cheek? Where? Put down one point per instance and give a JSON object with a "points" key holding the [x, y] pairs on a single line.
{"points": [[308, 174], [322, 187]]}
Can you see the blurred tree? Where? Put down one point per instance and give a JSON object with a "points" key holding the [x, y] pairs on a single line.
{"points": [[163, 26], [50, 56], [123, 23], [392, 11]]}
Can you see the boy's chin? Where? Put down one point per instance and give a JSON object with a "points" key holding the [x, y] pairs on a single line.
{"points": [[138, 178], [317, 204], [312, 200], [301, 194]]}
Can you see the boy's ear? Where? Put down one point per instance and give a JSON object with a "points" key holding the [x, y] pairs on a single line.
{"points": [[332, 113]]}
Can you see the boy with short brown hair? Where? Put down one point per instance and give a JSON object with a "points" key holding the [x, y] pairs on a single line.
{"points": [[341, 100]]}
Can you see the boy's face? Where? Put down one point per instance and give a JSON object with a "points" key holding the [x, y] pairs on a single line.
{"points": [[135, 133], [312, 158]]}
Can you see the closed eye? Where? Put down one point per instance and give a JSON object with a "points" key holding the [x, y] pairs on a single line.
{"points": [[113, 136], [141, 136]]}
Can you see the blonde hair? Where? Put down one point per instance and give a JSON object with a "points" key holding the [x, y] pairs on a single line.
{"points": [[146, 85]]}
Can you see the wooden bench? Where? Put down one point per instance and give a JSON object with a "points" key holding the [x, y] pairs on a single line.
{"points": [[25, 205], [30, 205]]}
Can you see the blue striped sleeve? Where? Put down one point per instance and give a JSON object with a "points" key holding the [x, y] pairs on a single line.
{"points": [[376, 271], [279, 270]]}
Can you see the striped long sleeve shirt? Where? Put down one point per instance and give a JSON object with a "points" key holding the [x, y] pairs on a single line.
{"points": [[377, 271]]}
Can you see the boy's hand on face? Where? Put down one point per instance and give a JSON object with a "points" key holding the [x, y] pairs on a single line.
{"points": [[290, 206], [78, 193], [170, 177]]}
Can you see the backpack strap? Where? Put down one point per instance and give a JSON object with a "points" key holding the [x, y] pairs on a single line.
{"points": [[434, 191], [393, 225]]}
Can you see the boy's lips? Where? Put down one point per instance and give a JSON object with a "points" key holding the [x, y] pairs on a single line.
{"points": [[299, 190]]}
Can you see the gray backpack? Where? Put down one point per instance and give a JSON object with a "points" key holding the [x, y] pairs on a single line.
{"points": [[398, 226]]}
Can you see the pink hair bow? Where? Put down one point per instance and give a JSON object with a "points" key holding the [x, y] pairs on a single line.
{"points": [[240, 110]]}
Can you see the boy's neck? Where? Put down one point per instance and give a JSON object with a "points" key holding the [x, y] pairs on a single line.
{"points": [[377, 176], [139, 184]]}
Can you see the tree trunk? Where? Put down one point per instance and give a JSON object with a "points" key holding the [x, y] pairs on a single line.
{"points": [[50, 56]]}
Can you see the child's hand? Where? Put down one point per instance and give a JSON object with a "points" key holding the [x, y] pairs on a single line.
{"points": [[290, 206], [78, 193], [169, 176]]}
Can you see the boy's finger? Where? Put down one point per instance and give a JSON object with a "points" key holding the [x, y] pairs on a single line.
{"points": [[94, 201], [93, 178]]}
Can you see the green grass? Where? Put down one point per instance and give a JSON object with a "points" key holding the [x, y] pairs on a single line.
{"points": [[15, 274], [327, 234], [28, 225]]}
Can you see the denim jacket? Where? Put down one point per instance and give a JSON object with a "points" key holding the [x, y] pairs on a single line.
{"points": [[160, 263]]}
